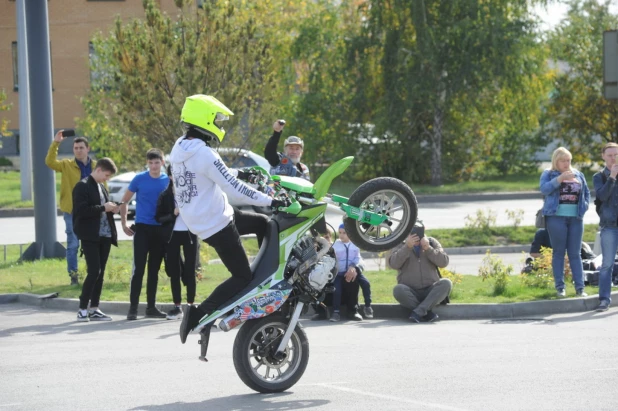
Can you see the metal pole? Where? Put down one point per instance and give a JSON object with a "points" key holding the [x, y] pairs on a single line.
{"points": [[42, 129], [25, 163]]}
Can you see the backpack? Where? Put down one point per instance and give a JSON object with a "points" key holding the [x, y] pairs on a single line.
{"points": [[597, 200]]}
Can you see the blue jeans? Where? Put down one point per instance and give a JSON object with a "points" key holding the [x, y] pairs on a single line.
{"points": [[566, 237], [609, 246], [72, 244], [364, 284]]}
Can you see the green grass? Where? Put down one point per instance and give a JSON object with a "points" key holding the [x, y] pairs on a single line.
{"points": [[526, 182], [47, 276], [11, 192], [508, 235]]}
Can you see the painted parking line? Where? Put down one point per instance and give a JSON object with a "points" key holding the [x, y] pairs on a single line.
{"points": [[425, 405]]}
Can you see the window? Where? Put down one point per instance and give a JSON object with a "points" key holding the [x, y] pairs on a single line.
{"points": [[15, 66]]}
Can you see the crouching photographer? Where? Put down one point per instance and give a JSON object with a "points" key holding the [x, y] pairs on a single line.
{"points": [[419, 284]]}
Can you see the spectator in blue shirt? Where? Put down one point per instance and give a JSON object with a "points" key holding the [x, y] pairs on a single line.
{"points": [[148, 243]]}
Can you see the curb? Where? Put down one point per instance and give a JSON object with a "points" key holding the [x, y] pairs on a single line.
{"points": [[381, 311], [21, 212]]}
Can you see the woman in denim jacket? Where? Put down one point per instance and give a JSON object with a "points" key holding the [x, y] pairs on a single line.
{"points": [[566, 201]]}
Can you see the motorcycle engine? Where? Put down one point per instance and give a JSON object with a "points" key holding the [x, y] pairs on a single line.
{"points": [[322, 272], [314, 271]]}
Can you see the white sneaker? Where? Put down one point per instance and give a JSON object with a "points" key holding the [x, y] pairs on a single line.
{"points": [[561, 293], [581, 293]]}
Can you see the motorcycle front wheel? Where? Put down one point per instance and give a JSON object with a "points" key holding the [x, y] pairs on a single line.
{"points": [[254, 354], [388, 196]]}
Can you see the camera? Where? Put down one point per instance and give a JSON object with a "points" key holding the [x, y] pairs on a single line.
{"points": [[419, 230]]}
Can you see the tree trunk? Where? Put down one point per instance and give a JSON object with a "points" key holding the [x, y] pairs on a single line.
{"points": [[436, 147]]}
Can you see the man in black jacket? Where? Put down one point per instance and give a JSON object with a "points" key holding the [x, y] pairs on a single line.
{"points": [[93, 223]]}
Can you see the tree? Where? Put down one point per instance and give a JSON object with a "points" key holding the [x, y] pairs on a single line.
{"points": [[438, 63], [578, 115], [147, 67]]}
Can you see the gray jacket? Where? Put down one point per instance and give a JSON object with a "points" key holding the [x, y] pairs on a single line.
{"points": [[418, 271]]}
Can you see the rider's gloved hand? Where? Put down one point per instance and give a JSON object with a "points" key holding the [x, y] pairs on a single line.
{"points": [[280, 202], [250, 176]]}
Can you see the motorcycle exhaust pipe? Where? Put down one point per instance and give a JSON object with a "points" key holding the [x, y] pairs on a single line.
{"points": [[230, 322]]}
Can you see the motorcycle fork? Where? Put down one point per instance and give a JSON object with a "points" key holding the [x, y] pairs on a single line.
{"points": [[203, 341], [290, 330]]}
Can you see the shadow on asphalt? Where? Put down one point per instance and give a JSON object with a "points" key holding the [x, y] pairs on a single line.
{"points": [[240, 402], [74, 327], [564, 318]]}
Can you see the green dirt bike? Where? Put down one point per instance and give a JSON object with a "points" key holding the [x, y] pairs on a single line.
{"points": [[294, 267]]}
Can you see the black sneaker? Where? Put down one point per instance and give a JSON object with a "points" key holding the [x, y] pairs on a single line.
{"points": [[603, 306], [154, 312], [132, 315], [174, 314], [82, 316], [414, 318], [74, 278], [430, 317], [355, 316], [98, 315], [190, 320]]}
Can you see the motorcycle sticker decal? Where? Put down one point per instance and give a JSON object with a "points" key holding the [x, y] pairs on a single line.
{"points": [[261, 305]]}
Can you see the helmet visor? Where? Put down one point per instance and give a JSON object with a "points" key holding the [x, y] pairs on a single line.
{"points": [[220, 118]]}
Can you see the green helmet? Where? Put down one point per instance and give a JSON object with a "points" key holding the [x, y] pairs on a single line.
{"points": [[204, 112]]}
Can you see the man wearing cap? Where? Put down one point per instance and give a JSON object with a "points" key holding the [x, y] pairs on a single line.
{"points": [[286, 163], [419, 286]]}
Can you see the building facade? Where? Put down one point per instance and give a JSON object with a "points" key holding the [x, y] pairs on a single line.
{"points": [[72, 23]]}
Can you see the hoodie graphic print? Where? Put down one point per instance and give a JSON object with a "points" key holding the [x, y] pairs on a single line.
{"points": [[203, 184]]}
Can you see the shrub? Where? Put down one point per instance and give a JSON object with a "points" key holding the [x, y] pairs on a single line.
{"points": [[451, 275], [542, 275], [516, 215], [483, 221], [494, 270], [5, 162]]}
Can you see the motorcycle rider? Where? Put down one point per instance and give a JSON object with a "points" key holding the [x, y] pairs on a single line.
{"points": [[203, 183]]}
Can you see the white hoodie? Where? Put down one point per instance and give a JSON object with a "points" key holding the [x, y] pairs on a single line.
{"points": [[201, 181]]}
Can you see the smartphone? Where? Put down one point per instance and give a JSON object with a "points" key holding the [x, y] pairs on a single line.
{"points": [[132, 228], [120, 203], [68, 133], [281, 122]]}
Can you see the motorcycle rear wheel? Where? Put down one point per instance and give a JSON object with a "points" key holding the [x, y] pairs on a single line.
{"points": [[254, 359], [382, 195]]}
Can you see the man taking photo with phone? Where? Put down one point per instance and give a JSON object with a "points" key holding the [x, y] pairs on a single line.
{"points": [[73, 170], [419, 285]]}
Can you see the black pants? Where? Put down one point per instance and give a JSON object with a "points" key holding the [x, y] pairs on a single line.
{"points": [[176, 268], [251, 223], [96, 254], [228, 246], [148, 245], [349, 298]]}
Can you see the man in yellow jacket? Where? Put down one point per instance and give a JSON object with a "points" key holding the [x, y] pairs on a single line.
{"points": [[73, 170]]}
